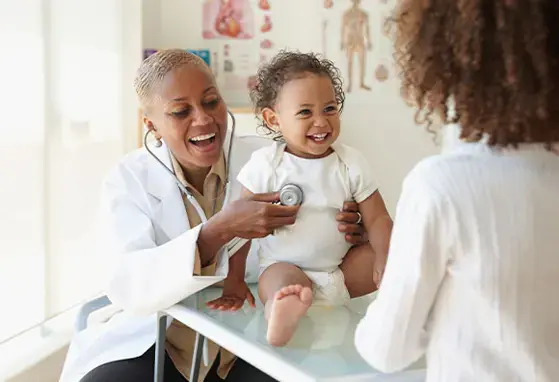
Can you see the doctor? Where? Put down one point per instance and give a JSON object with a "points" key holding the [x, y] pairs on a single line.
{"points": [[156, 237]]}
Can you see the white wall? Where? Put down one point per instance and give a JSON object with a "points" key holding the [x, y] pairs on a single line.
{"points": [[91, 122], [70, 113], [376, 122]]}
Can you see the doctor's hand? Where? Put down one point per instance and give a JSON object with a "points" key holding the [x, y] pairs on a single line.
{"points": [[235, 292], [350, 224], [256, 216]]}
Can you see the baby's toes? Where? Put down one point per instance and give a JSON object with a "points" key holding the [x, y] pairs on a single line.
{"points": [[288, 291]]}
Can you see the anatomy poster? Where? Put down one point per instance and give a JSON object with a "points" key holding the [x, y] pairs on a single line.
{"points": [[352, 36], [230, 19], [240, 34]]}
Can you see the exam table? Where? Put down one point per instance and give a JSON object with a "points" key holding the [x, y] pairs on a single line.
{"points": [[322, 348]]}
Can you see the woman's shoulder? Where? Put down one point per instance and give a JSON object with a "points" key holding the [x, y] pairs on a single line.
{"points": [[132, 167], [135, 161], [445, 172]]}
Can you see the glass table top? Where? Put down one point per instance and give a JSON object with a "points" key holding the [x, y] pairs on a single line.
{"points": [[323, 344]]}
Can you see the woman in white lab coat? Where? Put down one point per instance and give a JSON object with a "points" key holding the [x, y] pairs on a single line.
{"points": [[149, 232]]}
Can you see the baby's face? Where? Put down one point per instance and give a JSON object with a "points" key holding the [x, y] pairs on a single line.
{"points": [[308, 116]]}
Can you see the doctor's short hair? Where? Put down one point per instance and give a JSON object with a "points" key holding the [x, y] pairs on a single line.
{"points": [[495, 61], [155, 67], [282, 68]]}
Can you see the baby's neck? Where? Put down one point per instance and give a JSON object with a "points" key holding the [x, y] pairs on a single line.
{"points": [[307, 155]]}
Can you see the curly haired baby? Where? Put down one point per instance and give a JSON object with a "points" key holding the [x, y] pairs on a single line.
{"points": [[298, 99]]}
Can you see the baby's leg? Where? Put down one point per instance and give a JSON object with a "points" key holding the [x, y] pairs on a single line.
{"points": [[358, 268], [286, 293]]}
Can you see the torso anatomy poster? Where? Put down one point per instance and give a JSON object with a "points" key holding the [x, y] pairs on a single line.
{"points": [[239, 35]]}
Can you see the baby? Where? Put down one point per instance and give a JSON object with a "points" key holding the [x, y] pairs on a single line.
{"points": [[299, 98]]}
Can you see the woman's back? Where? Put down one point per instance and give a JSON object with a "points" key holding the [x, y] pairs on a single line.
{"points": [[473, 263], [497, 316]]}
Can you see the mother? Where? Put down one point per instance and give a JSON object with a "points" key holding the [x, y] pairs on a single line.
{"points": [[156, 237]]}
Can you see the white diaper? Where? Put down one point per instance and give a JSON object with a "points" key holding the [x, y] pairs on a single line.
{"points": [[328, 287]]}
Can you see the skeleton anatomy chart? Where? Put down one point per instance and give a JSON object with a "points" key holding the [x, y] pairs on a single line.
{"points": [[352, 37], [356, 41]]}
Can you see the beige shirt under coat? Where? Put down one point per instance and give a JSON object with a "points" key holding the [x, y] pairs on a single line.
{"points": [[180, 338]]}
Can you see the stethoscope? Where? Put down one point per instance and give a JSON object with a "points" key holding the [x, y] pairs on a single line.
{"points": [[290, 194], [189, 196]]}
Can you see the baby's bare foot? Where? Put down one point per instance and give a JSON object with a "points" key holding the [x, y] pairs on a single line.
{"points": [[285, 310]]}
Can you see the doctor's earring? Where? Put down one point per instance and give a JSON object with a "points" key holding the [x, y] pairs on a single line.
{"points": [[158, 142]]}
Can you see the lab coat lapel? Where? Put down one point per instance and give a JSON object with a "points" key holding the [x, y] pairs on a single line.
{"points": [[168, 206]]}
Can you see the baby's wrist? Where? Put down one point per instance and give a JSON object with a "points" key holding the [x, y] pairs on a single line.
{"points": [[236, 276]]}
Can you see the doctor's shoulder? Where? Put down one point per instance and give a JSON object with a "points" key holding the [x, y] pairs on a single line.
{"points": [[130, 173]]}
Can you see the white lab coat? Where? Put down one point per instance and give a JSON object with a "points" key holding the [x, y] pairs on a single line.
{"points": [[145, 229]]}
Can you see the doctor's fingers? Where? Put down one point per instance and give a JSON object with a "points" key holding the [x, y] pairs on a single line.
{"points": [[347, 217], [351, 228], [276, 210], [270, 197], [279, 221], [354, 239], [350, 207]]}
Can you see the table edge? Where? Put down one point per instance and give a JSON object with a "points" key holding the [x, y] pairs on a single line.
{"points": [[224, 337]]}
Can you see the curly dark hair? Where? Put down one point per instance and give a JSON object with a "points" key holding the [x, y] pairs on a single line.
{"points": [[284, 67], [497, 61]]}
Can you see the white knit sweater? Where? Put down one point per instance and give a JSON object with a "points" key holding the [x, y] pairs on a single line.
{"points": [[472, 279]]}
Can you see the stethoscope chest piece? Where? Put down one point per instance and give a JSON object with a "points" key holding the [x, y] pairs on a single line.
{"points": [[291, 195]]}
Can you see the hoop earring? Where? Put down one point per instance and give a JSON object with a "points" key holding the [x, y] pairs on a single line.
{"points": [[158, 142]]}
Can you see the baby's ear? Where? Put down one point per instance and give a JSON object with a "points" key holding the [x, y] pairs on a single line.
{"points": [[270, 118]]}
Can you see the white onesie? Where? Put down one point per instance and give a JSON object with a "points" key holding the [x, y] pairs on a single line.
{"points": [[313, 243]]}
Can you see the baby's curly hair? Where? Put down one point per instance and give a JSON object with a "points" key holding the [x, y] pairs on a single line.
{"points": [[284, 67], [497, 61]]}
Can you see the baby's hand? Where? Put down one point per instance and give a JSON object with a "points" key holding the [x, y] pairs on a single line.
{"points": [[235, 292], [378, 271]]}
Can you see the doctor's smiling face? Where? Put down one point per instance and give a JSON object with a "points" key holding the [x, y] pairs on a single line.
{"points": [[182, 105]]}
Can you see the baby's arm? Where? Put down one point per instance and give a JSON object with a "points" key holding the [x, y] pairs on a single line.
{"points": [[378, 224], [375, 217], [237, 262], [253, 178], [235, 289]]}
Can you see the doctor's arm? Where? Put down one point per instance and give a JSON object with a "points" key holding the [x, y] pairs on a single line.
{"points": [[235, 289], [144, 277], [392, 335]]}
